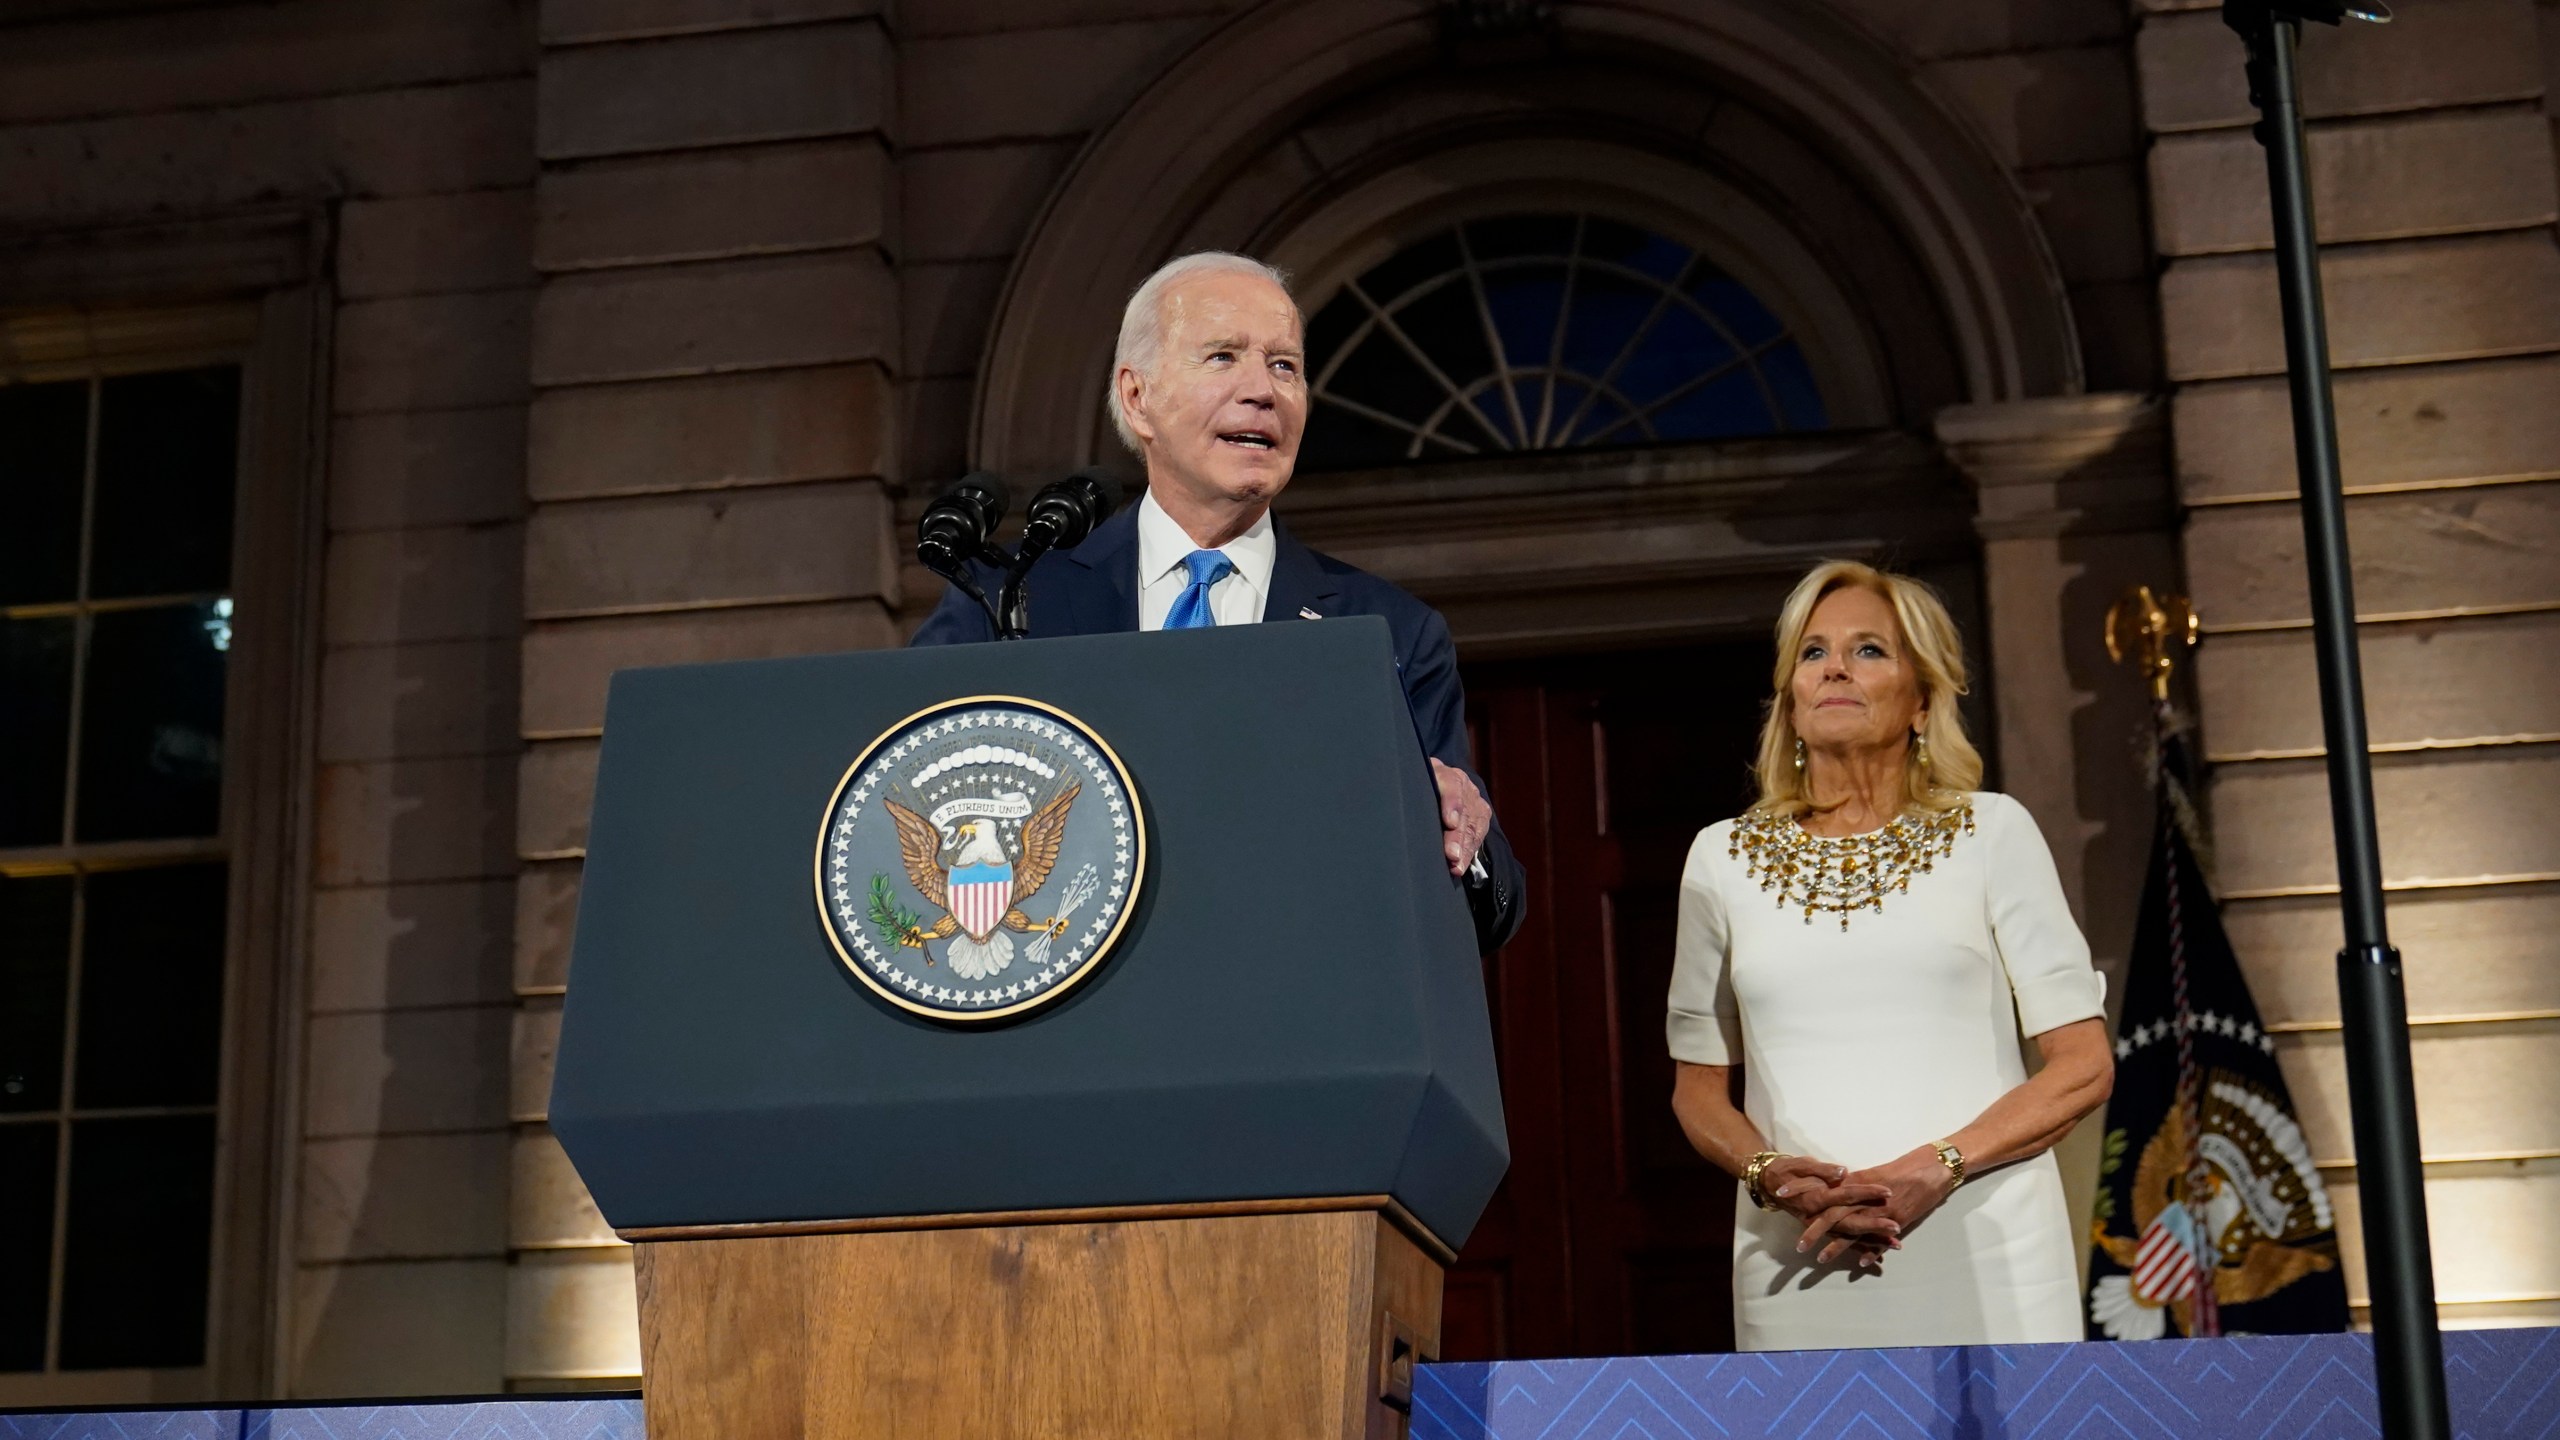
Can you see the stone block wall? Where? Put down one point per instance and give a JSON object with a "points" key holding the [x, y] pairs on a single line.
{"points": [[2049, 88], [996, 96], [714, 356], [2432, 166], [401, 1233]]}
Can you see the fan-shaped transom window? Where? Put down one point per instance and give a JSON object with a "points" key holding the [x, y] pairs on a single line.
{"points": [[1546, 332]]}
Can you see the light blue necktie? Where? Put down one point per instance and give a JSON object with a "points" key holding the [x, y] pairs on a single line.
{"points": [[1191, 608]]}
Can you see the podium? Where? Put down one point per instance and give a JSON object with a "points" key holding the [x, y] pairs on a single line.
{"points": [[1200, 1178]]}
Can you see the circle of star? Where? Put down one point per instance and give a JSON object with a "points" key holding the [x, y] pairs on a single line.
{"points": [[935, 747]]}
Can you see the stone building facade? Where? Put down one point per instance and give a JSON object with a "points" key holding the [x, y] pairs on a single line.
{"points": [[578, 334]]}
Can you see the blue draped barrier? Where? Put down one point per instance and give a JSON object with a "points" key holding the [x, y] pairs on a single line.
{"points": [[2504, 1384], [527, 1419]]}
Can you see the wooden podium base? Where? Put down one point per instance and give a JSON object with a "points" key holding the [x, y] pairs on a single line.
{"points": [[1296, 1319]]}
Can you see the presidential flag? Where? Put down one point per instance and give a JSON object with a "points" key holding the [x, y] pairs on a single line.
{"points": [[2210, 1216]]}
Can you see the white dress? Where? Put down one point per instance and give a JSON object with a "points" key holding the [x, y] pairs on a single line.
{"points": [[1858, 1045]]}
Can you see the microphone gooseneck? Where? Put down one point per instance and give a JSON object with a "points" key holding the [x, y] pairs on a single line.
{"points": [[1058, 518]]}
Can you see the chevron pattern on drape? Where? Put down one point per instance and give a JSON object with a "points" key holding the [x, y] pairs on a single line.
{"points": [[2504, 1384]]}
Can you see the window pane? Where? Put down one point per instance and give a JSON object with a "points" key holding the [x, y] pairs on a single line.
{"points": [[167, 447], [26, 1241], [1738, 308], [1524, 301], [1505, 236], [1389, 279], [1732, 405], [1611, 335], [141, 1240], [1449, 327], [44, 443], [1797, 394], [1607, 308], [151, 987], [1330, 328], [1338, 439], [1382, 375], [35, 728], [151, 723], [35, 974]]}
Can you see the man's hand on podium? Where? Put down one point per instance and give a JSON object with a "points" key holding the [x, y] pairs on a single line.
{"points": [[1465, 817]]}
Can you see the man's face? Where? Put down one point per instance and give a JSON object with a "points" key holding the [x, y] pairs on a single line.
{"points": [[1221, 417]]}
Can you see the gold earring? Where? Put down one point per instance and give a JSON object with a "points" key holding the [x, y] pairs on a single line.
{"points": [[1799, 754], [1920, 749]]}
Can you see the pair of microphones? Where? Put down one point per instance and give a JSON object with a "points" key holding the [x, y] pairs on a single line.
{"points": [[960, 526]]}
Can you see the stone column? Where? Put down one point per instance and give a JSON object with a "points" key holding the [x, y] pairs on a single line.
{"points": [[713, 358], [2430, 155], [2073, 508]]}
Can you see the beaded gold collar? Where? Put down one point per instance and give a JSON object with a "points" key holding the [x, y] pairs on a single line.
{"points": [[1838, 876]]}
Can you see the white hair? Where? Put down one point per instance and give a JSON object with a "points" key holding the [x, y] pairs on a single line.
{"points": [[1142, 323]]}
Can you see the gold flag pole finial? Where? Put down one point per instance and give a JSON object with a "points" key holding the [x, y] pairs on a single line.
{"points": [[2143, 627]]}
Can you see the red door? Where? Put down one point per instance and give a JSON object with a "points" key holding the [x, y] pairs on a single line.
{"points": [[1610, 1236]]}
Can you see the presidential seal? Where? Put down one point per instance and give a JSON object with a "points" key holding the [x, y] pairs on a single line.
{"points": [[980, 859], [2254, 1218]]}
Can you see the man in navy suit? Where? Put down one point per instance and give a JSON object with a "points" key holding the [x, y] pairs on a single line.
{"points": [[1209, 387]]}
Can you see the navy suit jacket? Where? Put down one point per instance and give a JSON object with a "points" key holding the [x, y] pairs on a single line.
{"points": [[1093, 590]]}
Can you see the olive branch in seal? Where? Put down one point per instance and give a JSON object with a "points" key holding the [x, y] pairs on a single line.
{"points": [[890, 920]]}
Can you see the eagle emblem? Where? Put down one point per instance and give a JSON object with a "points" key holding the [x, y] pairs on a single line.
{"points": [[980, 858], [2262, 1218], [977, 888]]}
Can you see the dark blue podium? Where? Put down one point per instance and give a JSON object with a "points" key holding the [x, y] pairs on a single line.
{"points": [[1202, 1181]]}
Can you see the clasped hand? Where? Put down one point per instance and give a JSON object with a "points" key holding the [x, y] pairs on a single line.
{"points": [[1865, 1211]]}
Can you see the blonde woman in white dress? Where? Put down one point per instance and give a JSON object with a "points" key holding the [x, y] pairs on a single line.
{"points": [[1867, 946]]}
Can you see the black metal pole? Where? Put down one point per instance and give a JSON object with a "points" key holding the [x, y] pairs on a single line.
{"points": [[2408, 1350]]}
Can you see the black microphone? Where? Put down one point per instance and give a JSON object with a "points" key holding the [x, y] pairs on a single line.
{"points": [[1063, 514], [1058, 518], [958, 524]]}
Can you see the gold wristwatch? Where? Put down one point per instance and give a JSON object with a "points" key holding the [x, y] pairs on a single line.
{"points": [[1953, 1159]]}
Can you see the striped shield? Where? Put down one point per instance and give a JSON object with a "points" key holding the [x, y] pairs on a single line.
{"points": [[2164, 1268], [980, 896]]}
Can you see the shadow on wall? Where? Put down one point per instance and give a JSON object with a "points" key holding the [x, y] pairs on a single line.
{"points": [[401, 1233]]}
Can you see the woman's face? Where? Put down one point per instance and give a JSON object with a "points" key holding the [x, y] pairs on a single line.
{"points": [[1855, 687]]}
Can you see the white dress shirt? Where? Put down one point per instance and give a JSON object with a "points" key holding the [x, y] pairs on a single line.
{"points": [[1237, 598]]}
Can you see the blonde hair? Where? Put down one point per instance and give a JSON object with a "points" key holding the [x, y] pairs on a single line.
{"points": [[1142, 321], [1935, 650]]}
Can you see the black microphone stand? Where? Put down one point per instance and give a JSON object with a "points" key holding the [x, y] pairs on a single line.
{"points": [[2408, 1351]]}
